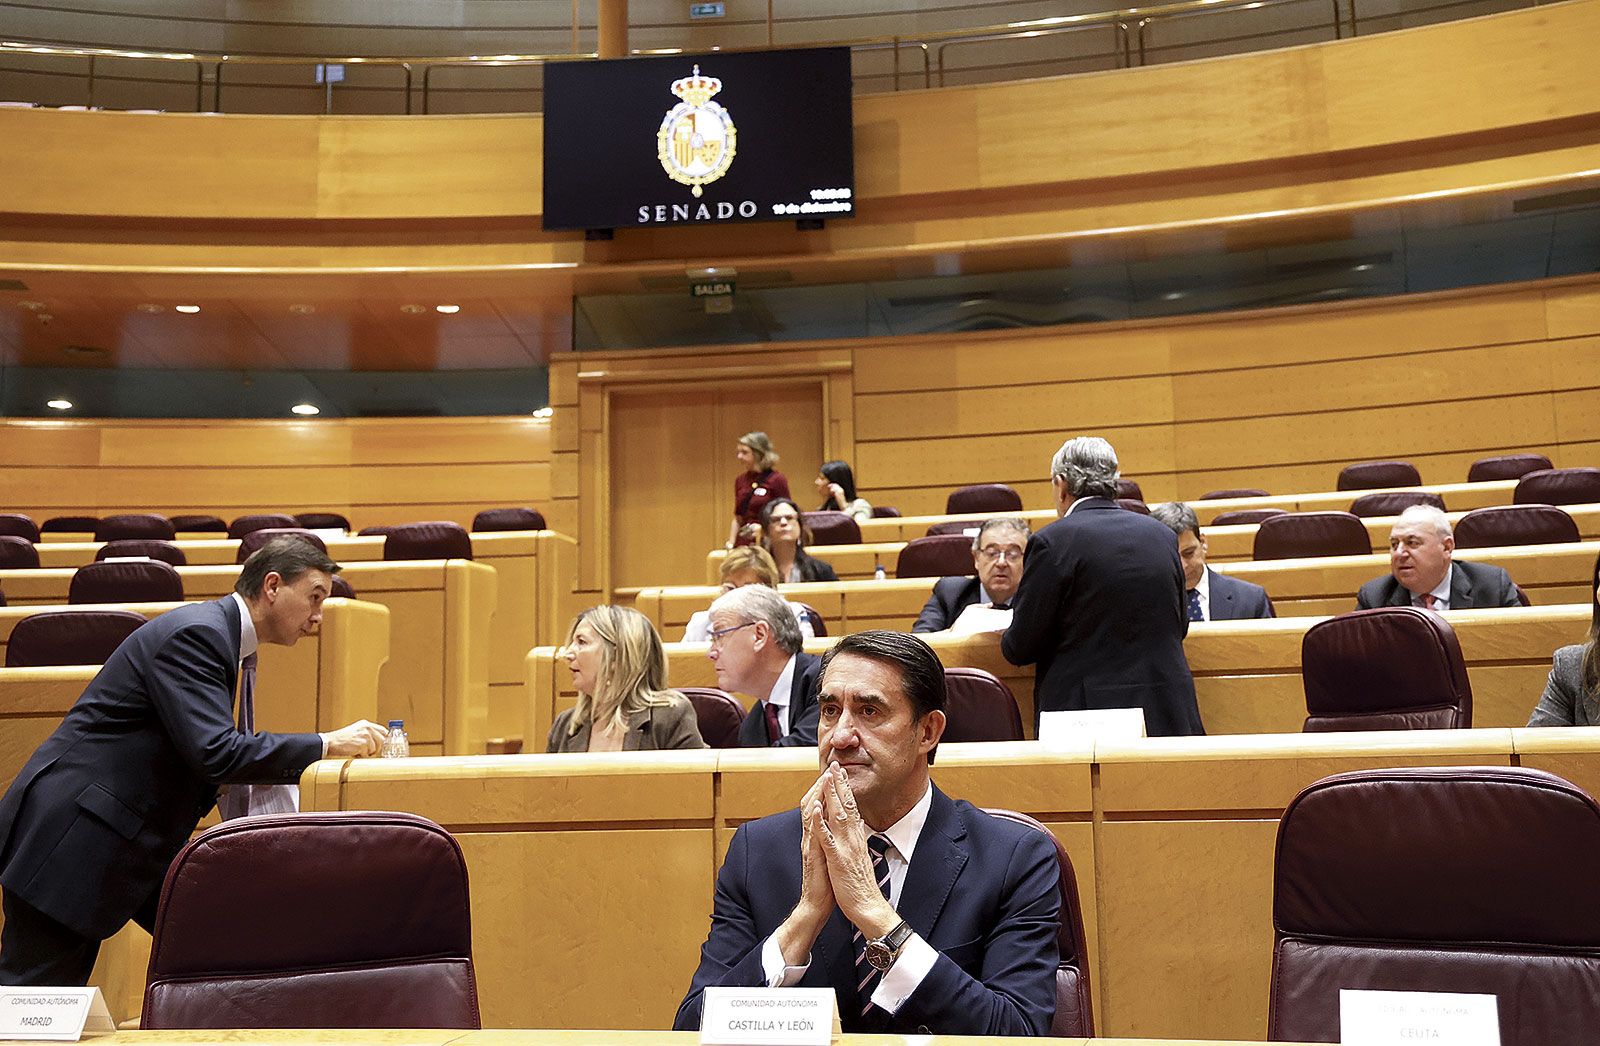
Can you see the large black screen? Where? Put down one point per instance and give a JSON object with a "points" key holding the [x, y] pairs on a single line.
{"points": [[755, 136]]}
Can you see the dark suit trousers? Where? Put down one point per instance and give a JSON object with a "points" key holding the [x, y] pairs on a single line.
{"points": [[37, 951]]}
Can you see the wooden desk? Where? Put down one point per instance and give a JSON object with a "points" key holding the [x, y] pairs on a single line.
{"points": [[323, 682], [535, 571], [1459, 497], [437, 675], [1171, 838], [1247, 673], [1550, 574], [549, 1037]]}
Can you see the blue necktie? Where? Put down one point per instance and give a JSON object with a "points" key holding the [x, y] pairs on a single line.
{"points": [[236, 797], [1194, 605], [867, 975]]}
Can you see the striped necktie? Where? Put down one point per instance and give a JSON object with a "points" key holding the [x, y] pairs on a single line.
{"points": [[867, 976]]}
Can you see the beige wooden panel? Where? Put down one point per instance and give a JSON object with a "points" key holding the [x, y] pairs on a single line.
{"points": [[1011, 458], [1090, 404], [1080, 354], [1572, 311]]}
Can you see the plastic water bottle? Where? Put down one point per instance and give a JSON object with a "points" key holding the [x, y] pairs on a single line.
{"points": [[877, 570], [395, 746]]}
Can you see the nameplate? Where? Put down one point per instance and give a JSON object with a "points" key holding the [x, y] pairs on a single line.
{"points": [[53, 1014], [1072, 729], [1377, 1018], [769, 1017]]}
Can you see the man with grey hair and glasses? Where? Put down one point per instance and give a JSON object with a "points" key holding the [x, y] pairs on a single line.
{"points": [[997, 555], [1422, 573], [755, 647], [1101, 609]]}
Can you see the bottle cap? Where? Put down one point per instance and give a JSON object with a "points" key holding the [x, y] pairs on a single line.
{"points": [[397, 724]]}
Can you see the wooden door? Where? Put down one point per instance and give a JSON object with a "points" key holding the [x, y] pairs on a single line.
{"points": [[672, 468]]}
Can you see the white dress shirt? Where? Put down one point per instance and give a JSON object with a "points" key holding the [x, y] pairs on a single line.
{"points": [[1203, 589], [917, 956], [1441, 592]]}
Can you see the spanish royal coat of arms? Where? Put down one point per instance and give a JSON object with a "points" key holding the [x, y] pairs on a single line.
{"points": [[697, 137]]}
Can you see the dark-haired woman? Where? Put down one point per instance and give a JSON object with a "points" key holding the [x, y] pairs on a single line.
{"points": [[783, 535], [837, 485], [1572, 695]]}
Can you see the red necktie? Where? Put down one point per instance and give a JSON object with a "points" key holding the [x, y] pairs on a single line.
{"points": [[774, 728], [1429, 600]]}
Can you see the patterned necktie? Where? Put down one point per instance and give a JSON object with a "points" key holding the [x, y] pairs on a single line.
{"points": [[867, 975], [774, 727], [1195, 614], [1428, 600], [236, 798]]}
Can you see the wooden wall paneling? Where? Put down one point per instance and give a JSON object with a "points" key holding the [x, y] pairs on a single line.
{"points": [[1572, 311]]}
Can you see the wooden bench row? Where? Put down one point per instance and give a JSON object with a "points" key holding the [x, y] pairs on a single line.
{"points": [[1247, 673]]}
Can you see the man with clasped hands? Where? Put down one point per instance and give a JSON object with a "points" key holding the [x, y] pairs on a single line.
{"points": [[923, 914]]}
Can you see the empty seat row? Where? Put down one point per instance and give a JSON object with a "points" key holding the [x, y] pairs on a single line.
{"points": [[150, 526]]}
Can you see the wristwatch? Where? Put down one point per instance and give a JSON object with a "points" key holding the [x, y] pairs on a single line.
{"points": [[883, 951]]}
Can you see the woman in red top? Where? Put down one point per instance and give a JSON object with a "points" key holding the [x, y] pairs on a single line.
{"points": [[758, 484]]}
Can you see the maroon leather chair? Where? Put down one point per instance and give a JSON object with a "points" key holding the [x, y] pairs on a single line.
{"points": [[1558, 487], [831, 528], [1134, 505], [1474, 879], [260, 521], [1127, 488], [390, 945], [200, 524], [1232, 492], [1366, 475], [149, 548], [991, 498], [1298, 534], [1394, 502], [1245, 515], [885, 512], [135, 525], [439, 540], [718, 714], [134, 581], [383, 530], [69, 637], [979, 707], [340, 589], [17, 553], [321, 521], [69, 525], [1506, 466], [19, 526], [509, 519], [251, 542], [1074, 1011], [944, 555], [1515, 525], [1389, 668]]}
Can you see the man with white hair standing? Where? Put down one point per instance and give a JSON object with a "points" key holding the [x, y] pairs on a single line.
{"points": [[1423, 574], [1101, 608]]}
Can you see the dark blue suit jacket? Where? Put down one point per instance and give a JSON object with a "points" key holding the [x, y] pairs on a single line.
{"points": [[1102, 610], [950, 596], [89, 826], [802, 710], [1235, 600], [985, 893]]}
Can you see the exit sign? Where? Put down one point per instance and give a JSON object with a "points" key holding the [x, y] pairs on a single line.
{"points": [[716, 10]]}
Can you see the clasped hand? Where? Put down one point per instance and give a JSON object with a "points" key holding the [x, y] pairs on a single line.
{"points": [[837, 863]]}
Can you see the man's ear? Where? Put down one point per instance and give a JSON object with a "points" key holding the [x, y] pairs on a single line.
{"points": [[930, 729], [270, 585]]}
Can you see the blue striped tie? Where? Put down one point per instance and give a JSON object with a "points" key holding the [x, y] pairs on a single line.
{"points": [[867, 976]]}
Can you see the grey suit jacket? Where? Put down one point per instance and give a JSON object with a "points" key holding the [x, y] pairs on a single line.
{"points": [[1472, 585], [652, 729], [1235, 600], [1563, 702]]}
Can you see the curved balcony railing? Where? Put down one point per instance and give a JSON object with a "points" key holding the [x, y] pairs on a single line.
{"points": [[1128, 37]]}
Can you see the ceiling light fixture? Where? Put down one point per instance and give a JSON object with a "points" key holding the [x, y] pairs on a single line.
{"points": [[447, 309], [413, 310], [188, 310], [305, 409], [543, 412], [59, 404]]}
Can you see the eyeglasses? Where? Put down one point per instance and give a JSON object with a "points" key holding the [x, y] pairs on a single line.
{"points": [[716, 636], [992, 553]]}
